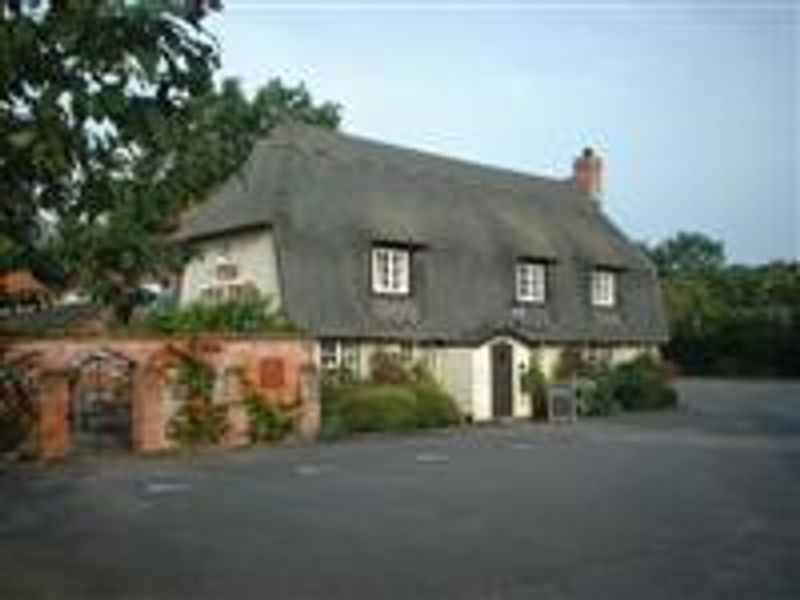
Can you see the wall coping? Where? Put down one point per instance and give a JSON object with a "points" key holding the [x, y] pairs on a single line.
{"points": [[156, 337]]}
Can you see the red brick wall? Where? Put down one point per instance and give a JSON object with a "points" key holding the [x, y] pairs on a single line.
{"points": [[271, 366]]}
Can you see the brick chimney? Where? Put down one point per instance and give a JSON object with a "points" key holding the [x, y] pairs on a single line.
{"points": [[587, 174]]}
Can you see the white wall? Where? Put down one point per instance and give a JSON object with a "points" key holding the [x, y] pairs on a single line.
{"points": [[622, 354], [254, 254], [466, 372], [548, 358], [455, 373]]}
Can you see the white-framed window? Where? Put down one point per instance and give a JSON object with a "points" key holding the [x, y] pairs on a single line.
{"points": [[604, 287], [531, 281], [218, 293], [391, 270], [338, 354], [329, 354]]}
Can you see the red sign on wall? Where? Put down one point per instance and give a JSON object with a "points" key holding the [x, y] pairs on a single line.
{"points": [[272, 373]]}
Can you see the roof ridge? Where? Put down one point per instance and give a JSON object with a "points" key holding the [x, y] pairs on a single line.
{"points": [[286, 132]]}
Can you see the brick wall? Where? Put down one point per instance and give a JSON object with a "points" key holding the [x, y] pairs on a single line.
{"points": [[279, 368]]}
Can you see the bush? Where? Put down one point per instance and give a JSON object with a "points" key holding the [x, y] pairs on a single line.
{"points": [[389, 369], [333, 425], [198, 424], [642, 384], [534, 383], [267, 422], [370, 407], [247, 315], [596, 396], [379, 408], [434, 408], [198, 421], [571, 364]]}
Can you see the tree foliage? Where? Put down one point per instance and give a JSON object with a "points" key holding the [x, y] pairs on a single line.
{"points": [[688, 253], [85, 87], [729, 319], [111, 126]]}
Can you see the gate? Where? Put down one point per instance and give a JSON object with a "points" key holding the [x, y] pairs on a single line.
{"points": [[100, 401], [17, 407]]}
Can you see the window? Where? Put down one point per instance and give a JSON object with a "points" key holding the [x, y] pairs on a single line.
{"points": [[227, 271], [338, 354], [604, 287], [329, 354], [225, 267], [223, 292], [407, 352], [391, 271], [531, 282]]}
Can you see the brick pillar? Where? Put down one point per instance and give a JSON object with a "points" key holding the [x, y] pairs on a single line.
{"points": [[149, 429], [53, 422], [309, 391]]}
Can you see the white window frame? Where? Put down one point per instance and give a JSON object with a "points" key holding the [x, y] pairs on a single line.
{"points": [[391, 270], [603, 288], [336, 354], [531, 282], [329, 354]]}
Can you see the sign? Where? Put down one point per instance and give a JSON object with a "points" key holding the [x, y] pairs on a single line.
{"points": [[272, 373]]}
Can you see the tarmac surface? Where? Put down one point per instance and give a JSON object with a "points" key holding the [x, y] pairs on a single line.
{"points": [[702, 502]]}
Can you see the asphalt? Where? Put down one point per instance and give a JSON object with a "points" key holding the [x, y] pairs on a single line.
{"points": [[702, 502]]}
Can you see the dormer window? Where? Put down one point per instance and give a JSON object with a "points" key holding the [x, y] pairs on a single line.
{"points": [[391, 270], [604, 288], [531, 281]]}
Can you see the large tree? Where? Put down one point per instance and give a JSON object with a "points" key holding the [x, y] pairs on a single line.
{"points": [[688, 252], [111, 257], [85, 87], [728, 319], [110, 125]]}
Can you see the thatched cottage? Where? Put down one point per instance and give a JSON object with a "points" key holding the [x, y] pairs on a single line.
{"points": [[475, 270]]}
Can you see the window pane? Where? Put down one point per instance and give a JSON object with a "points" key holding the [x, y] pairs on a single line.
{"points": [[329, 354], [531, 282], [390, 271], [603, 288]]}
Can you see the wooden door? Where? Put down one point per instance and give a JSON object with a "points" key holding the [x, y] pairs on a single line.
{"points": [[502, 373]]}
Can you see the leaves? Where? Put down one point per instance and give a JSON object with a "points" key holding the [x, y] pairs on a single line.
{"points": [[728, 319]]}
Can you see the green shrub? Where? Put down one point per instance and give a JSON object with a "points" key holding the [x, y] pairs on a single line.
{"points": [[642, 384], [434, 407], [569, 365], [252, 314], [198, 424], [397, 397], [332, 422], [596, 396], [534, 383], [389, 369], [198, 421], [380, 408], [267, 422]]}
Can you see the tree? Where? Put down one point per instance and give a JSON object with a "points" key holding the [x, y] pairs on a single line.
{"points": [[111, 126], [111, 257], [85, 89], [730, 320], [688, 252]]}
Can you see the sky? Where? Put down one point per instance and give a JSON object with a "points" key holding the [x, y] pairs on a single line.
{"points": [[694, 106]]}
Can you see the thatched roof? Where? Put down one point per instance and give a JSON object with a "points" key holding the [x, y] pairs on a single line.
{"points": [[328, 196]]}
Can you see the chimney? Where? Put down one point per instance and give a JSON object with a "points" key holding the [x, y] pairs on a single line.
{"points": [[587, 174]]}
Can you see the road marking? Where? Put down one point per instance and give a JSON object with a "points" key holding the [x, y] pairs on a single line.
{"points": [[155, 488], [309, 469], [431, 458]]}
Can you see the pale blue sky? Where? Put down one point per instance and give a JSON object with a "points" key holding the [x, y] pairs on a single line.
{"points": [[693, 105]]}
